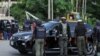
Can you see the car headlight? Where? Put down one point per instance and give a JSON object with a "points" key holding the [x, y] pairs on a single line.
{"points": [[27, 37]]}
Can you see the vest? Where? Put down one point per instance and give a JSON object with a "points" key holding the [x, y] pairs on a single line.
{"points": [[40, 33], [64, 28]]}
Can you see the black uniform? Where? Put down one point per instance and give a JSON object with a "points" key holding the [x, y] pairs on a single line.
{"points": [[39, 36], [96, 34], [80, 32]]}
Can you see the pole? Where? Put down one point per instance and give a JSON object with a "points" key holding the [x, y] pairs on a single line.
{"points": [[72, 4], [76, 5], [49, 9], [9, 7], [83, 9], [85, 6], [52, 9]]}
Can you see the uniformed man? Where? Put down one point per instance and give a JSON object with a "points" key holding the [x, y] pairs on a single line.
{"points": [[14, 26], [64, 36], [39, 34], [96, 34], [80, 32]]}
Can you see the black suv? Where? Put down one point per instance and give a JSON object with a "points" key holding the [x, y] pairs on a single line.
{"points": [[21, 40]]}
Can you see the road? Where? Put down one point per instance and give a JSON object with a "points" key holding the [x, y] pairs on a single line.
{"points": [[7, 50]]}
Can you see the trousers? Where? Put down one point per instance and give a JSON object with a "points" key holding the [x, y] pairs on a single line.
{"points": [[63, 45], [39, 47], [81, 45]]}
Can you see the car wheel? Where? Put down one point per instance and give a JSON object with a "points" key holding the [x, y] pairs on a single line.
{"points": [[95, 51], [23, 51], [89, 48]]}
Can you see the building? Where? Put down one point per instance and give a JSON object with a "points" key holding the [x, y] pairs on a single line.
{"points": [[4, 7]]}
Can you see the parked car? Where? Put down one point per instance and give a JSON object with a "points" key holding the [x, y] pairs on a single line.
{"points": [[21, 40]]}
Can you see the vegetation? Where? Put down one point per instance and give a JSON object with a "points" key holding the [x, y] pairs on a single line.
{"points": [[93, 8], [39, 8]]}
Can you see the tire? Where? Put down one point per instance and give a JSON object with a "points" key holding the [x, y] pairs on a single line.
{"points": [[96, 54], [23, 52], [96, 51], [89, 48]]}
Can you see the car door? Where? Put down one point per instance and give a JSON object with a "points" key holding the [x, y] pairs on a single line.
{"points": [[54, 30]]}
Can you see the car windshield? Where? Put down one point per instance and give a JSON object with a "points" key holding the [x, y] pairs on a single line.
{"points": [[88, 26], [48, 25], [72, 25]]}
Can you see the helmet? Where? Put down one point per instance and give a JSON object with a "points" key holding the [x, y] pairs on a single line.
{"points": [[63, 18], [38, 23], [79, 21]]}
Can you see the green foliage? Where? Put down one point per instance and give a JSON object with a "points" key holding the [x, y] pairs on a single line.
{"points": [[18, 13], [93, 7], [39, 8], [61, 7]]}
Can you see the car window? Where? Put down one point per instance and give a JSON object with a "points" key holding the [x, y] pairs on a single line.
{"points": [[55, 26], [72, 25], [48, 25]]}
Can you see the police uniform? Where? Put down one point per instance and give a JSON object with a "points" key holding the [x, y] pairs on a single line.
{"points": [[40, 34], [80, 32], [63, 40], [96, 35]]}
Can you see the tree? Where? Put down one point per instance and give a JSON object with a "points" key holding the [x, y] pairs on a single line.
{"points": [[61, 7], [93, 7], [39, 8]]}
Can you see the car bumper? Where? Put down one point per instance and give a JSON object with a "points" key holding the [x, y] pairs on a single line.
{"points": [[57, 50], [18, 44]]}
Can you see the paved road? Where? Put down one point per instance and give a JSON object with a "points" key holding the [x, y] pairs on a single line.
{"points": [[7, 50]]}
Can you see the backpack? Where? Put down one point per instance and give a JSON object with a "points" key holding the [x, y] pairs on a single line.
{"points": [[40, 32]]}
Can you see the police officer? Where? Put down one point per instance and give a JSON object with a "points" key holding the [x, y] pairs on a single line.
{"points": [[39, 34], [27, 25], [80, 32], [64, 36], [96, 34], [14, 26]]}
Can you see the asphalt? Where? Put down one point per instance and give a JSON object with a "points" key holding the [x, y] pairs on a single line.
{"points": [[7, 50]]}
